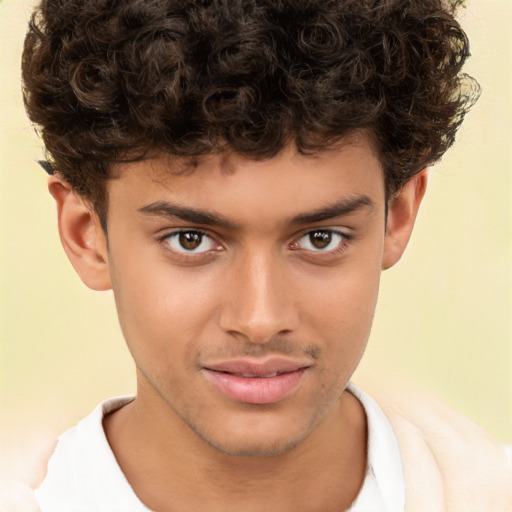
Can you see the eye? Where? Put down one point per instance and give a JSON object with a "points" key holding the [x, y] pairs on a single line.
{"points": [[321, 240], [190, 241]]}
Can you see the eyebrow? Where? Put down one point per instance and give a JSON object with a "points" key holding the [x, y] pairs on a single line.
{"points": [[199, 216], [186, 213], [338, 209]]}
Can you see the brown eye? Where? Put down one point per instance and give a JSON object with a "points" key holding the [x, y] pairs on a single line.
{"points": [[191, 241], [320, 239]]}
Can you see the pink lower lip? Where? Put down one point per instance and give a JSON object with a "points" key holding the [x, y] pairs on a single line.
{"points": [[255, 390]]}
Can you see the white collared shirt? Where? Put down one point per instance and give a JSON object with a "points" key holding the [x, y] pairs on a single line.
{"points": [[383, 489]]}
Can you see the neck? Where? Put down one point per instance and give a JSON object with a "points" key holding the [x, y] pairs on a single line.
{"points": [[323, 472]]}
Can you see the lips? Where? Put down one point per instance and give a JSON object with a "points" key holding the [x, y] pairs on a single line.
{"points": [[256, 382]]}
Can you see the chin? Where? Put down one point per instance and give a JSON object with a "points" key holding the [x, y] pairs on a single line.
{"points": [[252, 439], [253, 447]]}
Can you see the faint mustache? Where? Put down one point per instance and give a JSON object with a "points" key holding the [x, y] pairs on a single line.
{"points": [[274, 347]]}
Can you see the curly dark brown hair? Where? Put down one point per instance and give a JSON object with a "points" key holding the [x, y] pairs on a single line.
{"points": [[108, 81]]}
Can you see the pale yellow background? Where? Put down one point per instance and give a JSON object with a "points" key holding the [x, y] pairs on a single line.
{"points": [[444, 316]]}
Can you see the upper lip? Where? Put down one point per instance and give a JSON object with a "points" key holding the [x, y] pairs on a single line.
{"points": [[258, 368]]}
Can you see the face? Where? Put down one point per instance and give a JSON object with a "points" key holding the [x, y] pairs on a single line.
{"points": [[246, 289]]}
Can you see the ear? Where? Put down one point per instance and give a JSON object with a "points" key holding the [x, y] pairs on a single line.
{"points": [[81, 235], [402, 211]]}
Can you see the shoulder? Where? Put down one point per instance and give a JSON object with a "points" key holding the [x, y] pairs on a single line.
{"points": [[450, 463], [82, 467], [47, 463]]}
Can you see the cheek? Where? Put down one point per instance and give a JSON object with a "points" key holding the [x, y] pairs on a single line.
{"points": [[161, 310], [341, 312]]}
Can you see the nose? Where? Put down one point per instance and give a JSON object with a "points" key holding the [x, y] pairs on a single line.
{"points": [[258, 304]]}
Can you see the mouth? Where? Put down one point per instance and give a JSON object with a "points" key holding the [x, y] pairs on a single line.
{"points": [[255, 382]]}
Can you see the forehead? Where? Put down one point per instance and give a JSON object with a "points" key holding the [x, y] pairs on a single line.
{"points": [[288, 183]]}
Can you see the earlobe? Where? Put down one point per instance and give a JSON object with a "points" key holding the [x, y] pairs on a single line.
{"points": [[402, 211], [81, 235]]}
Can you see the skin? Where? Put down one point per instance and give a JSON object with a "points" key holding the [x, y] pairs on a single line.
{"points": [[256, 287]]}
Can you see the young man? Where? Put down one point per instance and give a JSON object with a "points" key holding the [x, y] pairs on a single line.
{"points": [[239, 174]]}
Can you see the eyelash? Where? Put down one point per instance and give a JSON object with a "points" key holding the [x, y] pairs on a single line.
{"points": [[190, 256], [340, 247]]}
